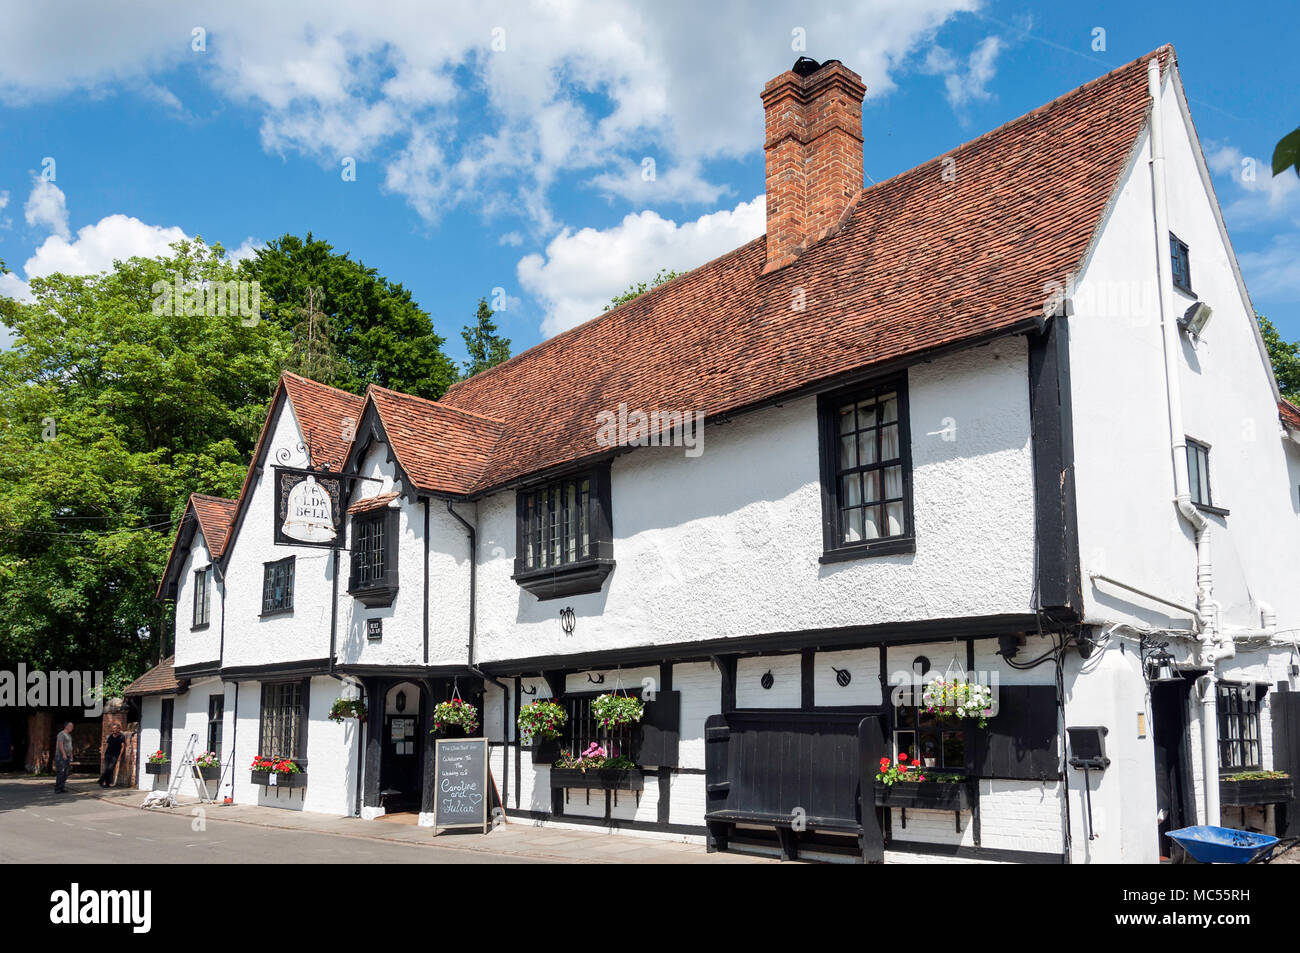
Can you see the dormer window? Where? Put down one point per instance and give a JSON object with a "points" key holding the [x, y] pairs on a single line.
{"points": [[564, 537], [373, 580]]}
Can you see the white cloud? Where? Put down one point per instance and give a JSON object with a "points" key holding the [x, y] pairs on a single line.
{"points": [[1274, 273], [580, 271], [485, 103], [47, 208], [1259, 195], [96, 247], [248, 249], [969, 84]]}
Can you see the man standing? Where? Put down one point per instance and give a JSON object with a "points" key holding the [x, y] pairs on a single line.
{"points": [[112, 751], [62, 758]]}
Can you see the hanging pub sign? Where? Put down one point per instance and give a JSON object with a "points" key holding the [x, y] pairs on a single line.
{"points": [[308, 508]]}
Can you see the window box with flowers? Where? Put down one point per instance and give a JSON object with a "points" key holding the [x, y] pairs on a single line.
{"points": [[540, 723], [455, 718], [209, 765], [157, 763], [278, 773], [1246, 788], [594, 769], [904, 785]]}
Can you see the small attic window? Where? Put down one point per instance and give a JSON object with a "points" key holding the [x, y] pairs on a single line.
{"points": [[1180, 263]]}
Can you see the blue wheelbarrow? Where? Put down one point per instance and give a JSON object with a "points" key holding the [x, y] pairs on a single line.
{"points": [[1224, 845]]}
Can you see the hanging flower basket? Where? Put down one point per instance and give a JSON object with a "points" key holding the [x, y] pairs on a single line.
{"points": [[541, 721], [958, 699], [454, 715], [617, 711], [347, 708]]}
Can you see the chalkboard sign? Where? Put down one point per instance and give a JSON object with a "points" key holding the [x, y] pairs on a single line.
{"points": [[461, 783]]}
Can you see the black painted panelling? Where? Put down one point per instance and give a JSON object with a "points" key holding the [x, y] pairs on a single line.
{"points": [[661, 730], [1020, 741]]}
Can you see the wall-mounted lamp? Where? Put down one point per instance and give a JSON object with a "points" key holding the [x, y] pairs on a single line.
{"points": [[1195, 319], [400, 702]]}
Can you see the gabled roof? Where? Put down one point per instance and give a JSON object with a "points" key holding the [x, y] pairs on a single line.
{"points": [[924, 261], [440, 449], [159, 680], [323, 413], [1290, 414], [212, 515]]}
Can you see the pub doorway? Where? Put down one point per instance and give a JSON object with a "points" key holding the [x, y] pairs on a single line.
{"points": [[401, 765], [1170, 725]]}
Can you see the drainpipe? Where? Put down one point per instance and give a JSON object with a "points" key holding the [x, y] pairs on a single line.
{"points": [[473, 615], [1206, 609]]}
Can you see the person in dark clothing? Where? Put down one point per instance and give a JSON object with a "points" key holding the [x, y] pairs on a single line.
{"points": [[112, 751], [62, 758]]}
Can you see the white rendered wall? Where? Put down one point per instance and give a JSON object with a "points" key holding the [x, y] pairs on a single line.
{"points": [[1128, 526], [304, 633], [194, 646], [727, 544]]}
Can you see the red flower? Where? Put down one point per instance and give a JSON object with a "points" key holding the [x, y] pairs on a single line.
{"points": [[902, 756]]}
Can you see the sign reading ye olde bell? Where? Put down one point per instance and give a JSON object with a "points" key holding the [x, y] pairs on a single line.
{"points": [[307, 510]]}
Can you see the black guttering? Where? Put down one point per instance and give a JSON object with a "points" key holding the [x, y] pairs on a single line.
{"points": [[885, 633], [1056, 530], [276, 670]]}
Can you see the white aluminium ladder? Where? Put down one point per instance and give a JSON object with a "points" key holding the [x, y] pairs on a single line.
{"points": [[189, 765]]}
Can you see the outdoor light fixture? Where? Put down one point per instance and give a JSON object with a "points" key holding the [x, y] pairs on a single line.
{"points": [[1008, 646], [1196, 318], [568, 620], [1088, 753], [1158, 662], [400, 702]]}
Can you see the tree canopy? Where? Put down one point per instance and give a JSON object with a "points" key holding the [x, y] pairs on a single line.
{"points": [[1285, 356], [664, 276], [485, 345], [377, 334]]}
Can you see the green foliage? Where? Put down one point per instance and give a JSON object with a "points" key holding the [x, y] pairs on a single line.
{"points": [[377, 333], [485, 346], [613, 710], [664, 276], [1286, 154], [541, 719], [1285, 357], [110, 416]]}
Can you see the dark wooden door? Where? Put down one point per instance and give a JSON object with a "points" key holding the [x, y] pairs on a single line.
{"points": [[1169, 717], [400, 771]]}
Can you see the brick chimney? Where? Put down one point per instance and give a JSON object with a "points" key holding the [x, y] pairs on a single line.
{"points": [[814, 154]]}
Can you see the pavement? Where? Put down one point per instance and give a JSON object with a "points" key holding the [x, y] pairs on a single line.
{"points": [[93, 825]]}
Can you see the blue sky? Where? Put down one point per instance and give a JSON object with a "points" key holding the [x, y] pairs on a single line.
{"points": [[503, 146]]}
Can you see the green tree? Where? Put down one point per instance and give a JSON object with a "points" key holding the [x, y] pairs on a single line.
{"points": [[312, 354], [485, 345], [635, 291], [1285, 357], [377, 332], [117, 400]]}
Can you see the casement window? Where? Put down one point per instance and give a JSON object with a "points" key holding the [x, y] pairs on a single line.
{"points": [[373, 579], [202, 598], [564, 536], [277, 587], [1238, 708], [924, 738], [866, 463], [582, 730], [1180, 264], [283, 729], [216, 718], [1198, 472]]}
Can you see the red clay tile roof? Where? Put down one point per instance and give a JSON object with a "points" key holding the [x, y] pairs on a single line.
{"points": [[442, 449], [323, 413], [159, 680], [1289, 413], [373, 503], [215, 516], [920, 263]]}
